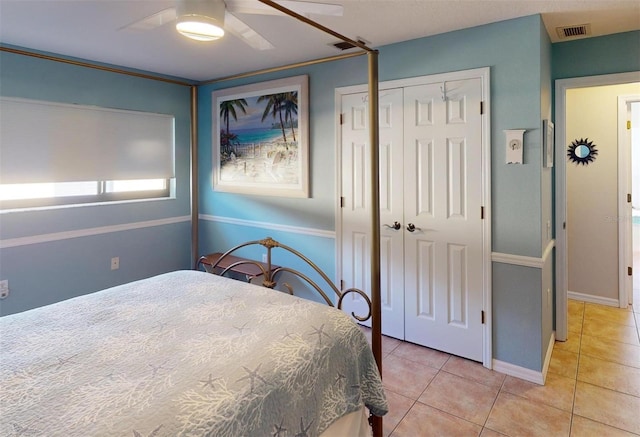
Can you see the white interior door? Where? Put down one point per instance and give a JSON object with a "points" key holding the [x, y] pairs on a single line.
{"points": [[356, 211], [442, 210]]}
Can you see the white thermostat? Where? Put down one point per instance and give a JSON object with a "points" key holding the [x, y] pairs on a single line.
{"points": [[515, 144]]}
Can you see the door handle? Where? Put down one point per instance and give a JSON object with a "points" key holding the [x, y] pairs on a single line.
{"points": [[396, 225], [411, 227]]}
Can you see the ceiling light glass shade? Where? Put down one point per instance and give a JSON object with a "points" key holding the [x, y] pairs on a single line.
{"points": [[199, 28], [202, 20]]}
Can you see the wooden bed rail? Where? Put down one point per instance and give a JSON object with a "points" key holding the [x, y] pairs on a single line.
{"points": [[269, 272]]}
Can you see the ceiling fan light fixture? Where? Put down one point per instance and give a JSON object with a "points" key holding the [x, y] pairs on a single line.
{"points": [[196, 28], [200, 20]]}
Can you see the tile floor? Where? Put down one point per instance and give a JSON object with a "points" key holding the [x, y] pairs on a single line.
{"points": [[592, 387]]}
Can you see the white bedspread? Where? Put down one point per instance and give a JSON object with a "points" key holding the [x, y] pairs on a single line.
{"points": [[183, 354]]}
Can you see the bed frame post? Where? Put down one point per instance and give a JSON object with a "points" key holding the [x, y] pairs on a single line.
{"points": [[376, 313], [194, 176]]}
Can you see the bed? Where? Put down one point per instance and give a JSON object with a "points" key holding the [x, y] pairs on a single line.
{"points": [[186, 353]]}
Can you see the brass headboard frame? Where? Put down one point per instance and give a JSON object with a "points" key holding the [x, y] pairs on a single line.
{"points": [[270, 272]]}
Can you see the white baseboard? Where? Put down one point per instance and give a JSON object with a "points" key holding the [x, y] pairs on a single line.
{"points": [[547, 358], [518, 372], [582, 297]]}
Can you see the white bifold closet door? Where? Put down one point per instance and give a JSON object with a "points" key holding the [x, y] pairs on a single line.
{"points": [[430, 212]]}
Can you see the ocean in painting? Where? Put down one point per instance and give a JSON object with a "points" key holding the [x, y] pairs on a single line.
{"points": [[260, 135]]}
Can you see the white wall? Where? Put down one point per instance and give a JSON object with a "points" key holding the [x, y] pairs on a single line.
{"points": [[592, 211]]}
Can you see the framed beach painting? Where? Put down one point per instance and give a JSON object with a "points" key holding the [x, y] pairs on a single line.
{"points": [[261, 138]]}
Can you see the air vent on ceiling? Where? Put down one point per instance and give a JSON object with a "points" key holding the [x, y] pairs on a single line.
{"points": [[574, 31], [343, 45]]}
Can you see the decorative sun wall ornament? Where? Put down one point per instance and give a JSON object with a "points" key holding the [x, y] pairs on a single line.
{"points": [[582, 151]]}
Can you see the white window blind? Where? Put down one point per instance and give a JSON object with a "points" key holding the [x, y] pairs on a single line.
{"points": [[54, 142]]}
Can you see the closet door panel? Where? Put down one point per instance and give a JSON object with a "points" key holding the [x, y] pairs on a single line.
{"points": [[452, 228], [356, 212]]}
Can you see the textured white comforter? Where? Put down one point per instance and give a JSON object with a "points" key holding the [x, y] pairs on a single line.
{"points": [[183, 354]]}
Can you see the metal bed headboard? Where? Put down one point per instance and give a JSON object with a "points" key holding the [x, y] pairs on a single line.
{"points": [[270, 272]]}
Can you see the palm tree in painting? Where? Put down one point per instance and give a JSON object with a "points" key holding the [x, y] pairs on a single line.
{"points": [[274, 107], [228, 110], [290, 108]]}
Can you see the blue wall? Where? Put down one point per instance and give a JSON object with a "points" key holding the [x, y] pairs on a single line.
{"points": [[46, 272], [618, 53]]}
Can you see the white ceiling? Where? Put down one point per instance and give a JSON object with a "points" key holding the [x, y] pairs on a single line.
{"points": [[91, 29]]}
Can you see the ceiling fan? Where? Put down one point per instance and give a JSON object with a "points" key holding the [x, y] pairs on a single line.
{"points": [[206, 20]]}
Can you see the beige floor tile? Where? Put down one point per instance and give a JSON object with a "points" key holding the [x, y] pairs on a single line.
{"points": [[564, 363], [557, 391], [609, 375], [574, 325], [608, 350], [571, 345], [399, 406], [405, 377], [610, 314], [422, 355], [575, 315], [486, 432], [611, 331], [388, 343], [425, 421], [574, 305], [516, 416], [461, 397], [607, 406], [575, 308], [583, 427], [474, 371]]}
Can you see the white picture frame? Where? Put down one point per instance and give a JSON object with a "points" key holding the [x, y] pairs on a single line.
{"points": [[261, 138]]}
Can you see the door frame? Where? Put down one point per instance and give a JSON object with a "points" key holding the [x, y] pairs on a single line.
{"points": [[625, 217], [484, 75], [562, 262]]}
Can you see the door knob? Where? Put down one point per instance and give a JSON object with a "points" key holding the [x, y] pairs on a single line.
{"points": [[396, 225], [411, 227]]}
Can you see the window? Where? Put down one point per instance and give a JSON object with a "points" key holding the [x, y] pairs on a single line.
{"points": [[21, 196], [60, 154]]}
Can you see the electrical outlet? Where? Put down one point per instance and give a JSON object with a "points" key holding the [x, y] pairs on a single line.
{"points": [[4, 289], [115, 263], [264, 257]]}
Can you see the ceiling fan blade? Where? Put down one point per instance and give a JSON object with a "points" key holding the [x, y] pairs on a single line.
{"points": [[245, 33], [302, 8], [153, 21]]}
